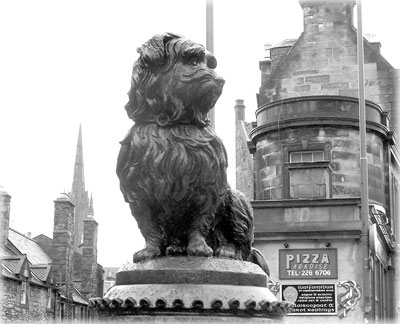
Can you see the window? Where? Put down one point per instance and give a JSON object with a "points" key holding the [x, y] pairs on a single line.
{"points": [[308, 172], [48, 297], [62, 311], [380, 282], [395, 205], [307, 156], [23, 292]]}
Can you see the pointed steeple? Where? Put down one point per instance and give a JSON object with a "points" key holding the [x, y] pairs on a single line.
{"points": [[79, 196], [90, 209], [78, 184]]}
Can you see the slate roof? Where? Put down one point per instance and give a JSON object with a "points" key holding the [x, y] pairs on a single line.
{"points": [[36, 280], [41, 271], [13, 263], [27, 246], [6, 272], [76, 295], [12, 266], [286, 43], [44, 241]]}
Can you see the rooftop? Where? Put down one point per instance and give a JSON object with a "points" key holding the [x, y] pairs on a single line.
{"points": [[27, 246]]}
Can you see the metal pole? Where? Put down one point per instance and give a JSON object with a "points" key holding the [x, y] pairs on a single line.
{"points": [[368, 303], [210, 43]]}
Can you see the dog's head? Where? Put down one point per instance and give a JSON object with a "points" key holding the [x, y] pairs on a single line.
{"points": [[173, 82]]}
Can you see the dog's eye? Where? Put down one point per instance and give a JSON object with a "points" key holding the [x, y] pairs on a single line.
{"points": [[194, 61]]}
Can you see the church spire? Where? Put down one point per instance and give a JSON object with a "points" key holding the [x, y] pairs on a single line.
{"points": [[78, 184], [90, 210], [79, 196]]}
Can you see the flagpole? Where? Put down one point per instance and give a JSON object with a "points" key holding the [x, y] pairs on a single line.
{"points": [[210, 43], [368, 304]]}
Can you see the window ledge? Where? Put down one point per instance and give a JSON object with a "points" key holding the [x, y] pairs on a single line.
{"points": [[309, 165]]}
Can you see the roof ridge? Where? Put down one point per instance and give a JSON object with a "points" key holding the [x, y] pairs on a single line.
{"points": [[34, 239], [24, 235]]}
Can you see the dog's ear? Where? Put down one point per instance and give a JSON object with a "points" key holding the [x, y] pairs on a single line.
{"points": [[152, 53]]}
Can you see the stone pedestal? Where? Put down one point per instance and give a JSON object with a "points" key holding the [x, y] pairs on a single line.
{"points": [[194, 289]]}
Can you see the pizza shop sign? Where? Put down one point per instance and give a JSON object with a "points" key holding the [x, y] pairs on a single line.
{"points": [[308, 264]]}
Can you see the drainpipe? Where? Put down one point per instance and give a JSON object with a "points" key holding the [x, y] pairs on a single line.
{"points": [[366, 285]]}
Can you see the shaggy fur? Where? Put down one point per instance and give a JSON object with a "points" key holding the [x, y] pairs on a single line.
{"points": [[172, 166]]}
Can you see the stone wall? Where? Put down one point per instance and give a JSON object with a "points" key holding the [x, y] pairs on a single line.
{"points": [[341, 147], [308, 105], [395, 113], [325, 124], [34, 310], [244, 161], [100, 281], [324, 61]]}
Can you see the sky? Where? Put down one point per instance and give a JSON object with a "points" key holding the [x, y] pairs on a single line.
{"points": [[66, 63]]}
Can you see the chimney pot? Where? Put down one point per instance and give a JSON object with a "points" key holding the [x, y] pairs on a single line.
{"points": [[240, 110], [267, 51]]}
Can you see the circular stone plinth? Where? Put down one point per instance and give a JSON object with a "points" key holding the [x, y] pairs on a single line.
{"points": [[191, 286], [194, 270]]}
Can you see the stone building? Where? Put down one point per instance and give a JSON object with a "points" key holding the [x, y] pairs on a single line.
{"points": [[69, 272], [302, 154], [27, 289], [109, 277], [73, 247]]}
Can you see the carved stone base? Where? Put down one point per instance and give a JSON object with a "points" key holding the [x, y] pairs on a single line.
{"points": [[203, 289]]}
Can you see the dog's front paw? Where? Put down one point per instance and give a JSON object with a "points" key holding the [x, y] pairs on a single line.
{"points": [[198, 247], [229, 251], [148, 253]]}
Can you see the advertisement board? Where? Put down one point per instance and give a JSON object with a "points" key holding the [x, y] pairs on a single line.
{"points": [[308, 264], [310, 299]]}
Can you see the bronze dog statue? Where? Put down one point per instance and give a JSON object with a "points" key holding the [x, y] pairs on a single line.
{"points": [[172, 166]]}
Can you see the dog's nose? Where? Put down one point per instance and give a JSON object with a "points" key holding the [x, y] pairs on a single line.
{"points": [[220, 81]]}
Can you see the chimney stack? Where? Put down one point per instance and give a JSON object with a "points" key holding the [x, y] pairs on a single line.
{"points": [[267, 51], [89, 253], [62, 249], [5, 199], [265, 63], [240, 110], [322, 15]]}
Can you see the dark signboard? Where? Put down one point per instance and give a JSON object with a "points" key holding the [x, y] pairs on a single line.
{"points": [[311, 299], [308, 264]]}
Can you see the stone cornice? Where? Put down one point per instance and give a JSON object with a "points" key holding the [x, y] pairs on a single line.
{"points": [[311, 111]]}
